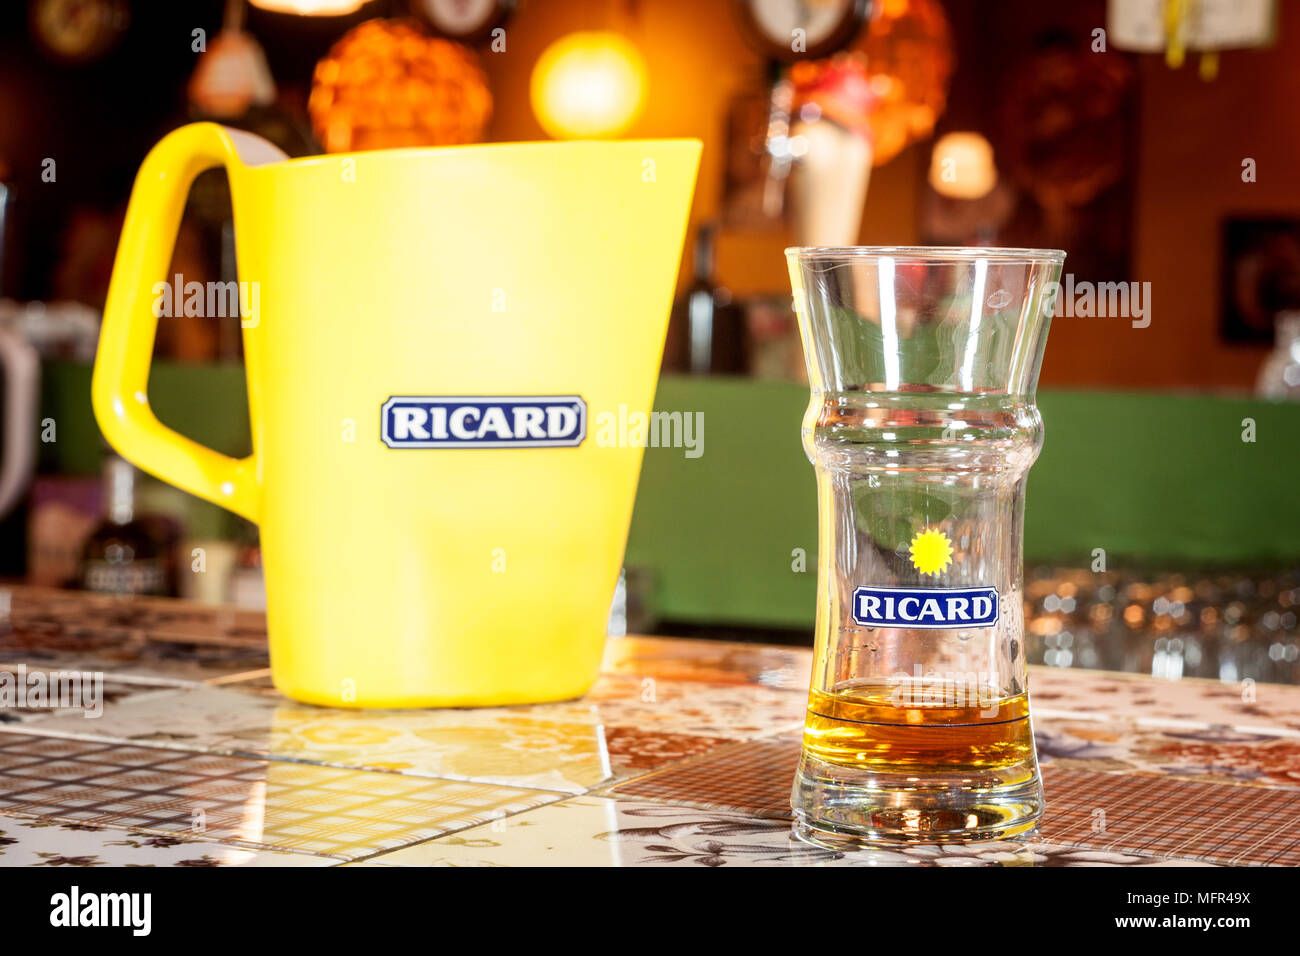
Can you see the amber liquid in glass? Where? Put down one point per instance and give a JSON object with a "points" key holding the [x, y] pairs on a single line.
{"points": [[867, 727]]}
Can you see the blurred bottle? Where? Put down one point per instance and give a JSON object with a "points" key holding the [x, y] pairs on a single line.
{"points": [[123, 555], [1279, 376], [706, 333], [247, 580]]}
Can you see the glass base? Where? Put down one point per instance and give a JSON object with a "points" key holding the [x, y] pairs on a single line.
{"points": [[835, 805]]}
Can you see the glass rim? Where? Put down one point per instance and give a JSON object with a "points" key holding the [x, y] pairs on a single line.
{"points": [[926, 253]]}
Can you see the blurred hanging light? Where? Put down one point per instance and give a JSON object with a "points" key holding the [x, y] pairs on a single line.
{"points": [[588, 85], [1181, 26], [232, 74], [311, 8], [961, 166]]}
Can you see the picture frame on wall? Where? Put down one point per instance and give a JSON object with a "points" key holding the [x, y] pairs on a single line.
{"points": [[1261, 275]]}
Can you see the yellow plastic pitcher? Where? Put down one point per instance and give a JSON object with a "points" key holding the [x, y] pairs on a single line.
{"points": [[431, 338]]}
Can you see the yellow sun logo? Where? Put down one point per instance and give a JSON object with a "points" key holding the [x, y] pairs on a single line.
{"points": [[931, 551]]}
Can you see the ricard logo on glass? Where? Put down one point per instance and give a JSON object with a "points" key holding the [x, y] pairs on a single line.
{"points": [[925, 607]]}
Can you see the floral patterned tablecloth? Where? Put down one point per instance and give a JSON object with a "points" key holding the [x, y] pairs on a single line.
{"points": [[682, 754]]}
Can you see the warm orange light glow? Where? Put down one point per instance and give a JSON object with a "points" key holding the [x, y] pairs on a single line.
{"points": [[386, 84], [961, 166], [311, 8], [588, 85]]}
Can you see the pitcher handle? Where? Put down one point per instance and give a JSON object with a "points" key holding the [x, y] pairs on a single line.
{"points": [[121, 378]]}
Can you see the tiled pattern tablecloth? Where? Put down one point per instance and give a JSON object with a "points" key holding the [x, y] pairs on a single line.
{"points": [[682, 754]]}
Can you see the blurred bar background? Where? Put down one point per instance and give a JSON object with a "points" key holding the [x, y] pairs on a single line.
{"points": [[1157, 147]]}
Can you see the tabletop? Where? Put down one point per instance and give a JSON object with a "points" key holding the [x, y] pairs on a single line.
{"points": [[682, 754]]}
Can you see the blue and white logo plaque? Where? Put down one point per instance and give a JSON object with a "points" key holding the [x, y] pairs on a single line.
{"points": [[925, 607], [530, 421]]}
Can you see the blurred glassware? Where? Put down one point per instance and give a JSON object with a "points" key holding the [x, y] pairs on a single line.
{"points": [[6, 227], [772, 338], [1222, 625], [632, 610], [22, 382], [246, 585], [1279, 376], [386, 84], [62, 330], [28, 332], [211, 564], [247, 581]]}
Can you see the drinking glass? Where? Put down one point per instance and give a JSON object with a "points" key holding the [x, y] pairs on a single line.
{"points": [[923, 363]]}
